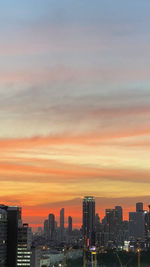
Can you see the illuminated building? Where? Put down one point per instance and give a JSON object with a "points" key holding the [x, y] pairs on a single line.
{"points": [[45, 261], [23, 246], [17, 242]]}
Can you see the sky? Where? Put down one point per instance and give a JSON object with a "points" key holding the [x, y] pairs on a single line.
{"points": [[74, 105]]}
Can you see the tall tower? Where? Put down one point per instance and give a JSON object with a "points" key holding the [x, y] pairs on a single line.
{"points": [[69, 225], [139, 207], [15, 238], [62, 211], [51, 226], [119, 214], [46, 228], [3, 237], [62, 218], [14, 222], [89, 220], [24, 246]]}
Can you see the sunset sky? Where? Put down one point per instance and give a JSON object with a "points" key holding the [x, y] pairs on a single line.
{"points": [[74, 105]]}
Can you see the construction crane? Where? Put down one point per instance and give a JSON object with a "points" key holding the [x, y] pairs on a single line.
{"points": [[95, 259], [118, 259], [139, 257], [84, 256], [93, 256], [65, 256]]}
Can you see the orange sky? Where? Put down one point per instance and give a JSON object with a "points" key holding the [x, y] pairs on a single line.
{"points": [[46, 173]]}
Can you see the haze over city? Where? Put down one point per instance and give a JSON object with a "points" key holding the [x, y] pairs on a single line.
{"points": [[74, 105]]}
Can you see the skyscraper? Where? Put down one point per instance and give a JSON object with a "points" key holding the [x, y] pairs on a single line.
{"points": [[69, 225], [14, 220], [24, 246], [14, 238], [46, 228], [89, 220], [139, 207], [62, 218], [137, 226], [62, 211], [51, 226], [3, 238], [110, 220], [118, 214], [114, 218]]}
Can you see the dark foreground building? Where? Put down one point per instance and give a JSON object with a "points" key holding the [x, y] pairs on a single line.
{"points": [[14, 238], [3, 237]]}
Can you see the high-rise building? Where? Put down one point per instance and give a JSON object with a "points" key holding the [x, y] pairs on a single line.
{"points": [[35, 256], [14, 221], [46, 228], [110, 220], [114, 219], [24, 246], [97, 218], [139, 207], [89, 220], [69, 225], [97, 223], [62, 218], [118, 214], [15, 245], [3, 238], [51, 226], [137, 225], [62, 211]]}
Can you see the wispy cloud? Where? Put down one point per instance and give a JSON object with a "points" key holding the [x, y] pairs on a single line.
{"points": [[74, 104]]}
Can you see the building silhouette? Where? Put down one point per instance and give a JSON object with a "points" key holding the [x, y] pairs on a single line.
{"points": [[62, 227], [137, 220], [15, 244], [139, 207], [119, 214], [69, 225], [89, 220], [46, 229], [3, 237], [51, 226]]}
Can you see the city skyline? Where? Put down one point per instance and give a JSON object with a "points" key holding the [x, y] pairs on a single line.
{"points": [[87, 208], [74, 105], [56, 245]]}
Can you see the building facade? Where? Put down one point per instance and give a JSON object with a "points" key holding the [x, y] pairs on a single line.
{"points": [[3, 238], [14, 245], [89, 220], [51, 226]]}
